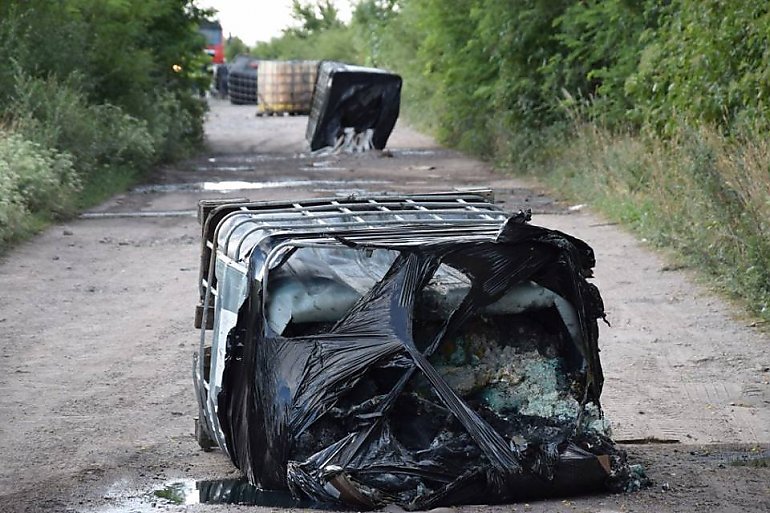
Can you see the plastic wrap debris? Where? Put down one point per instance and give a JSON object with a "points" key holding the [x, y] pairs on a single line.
{"points": [[428, 358], [354, 108]]}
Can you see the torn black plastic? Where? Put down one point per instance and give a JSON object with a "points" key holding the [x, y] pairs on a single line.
{"points": [[357, 413], [355, 98]]}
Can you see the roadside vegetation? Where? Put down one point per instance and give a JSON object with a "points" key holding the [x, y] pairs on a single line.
{"points": [[90, 99], [653, 112]]}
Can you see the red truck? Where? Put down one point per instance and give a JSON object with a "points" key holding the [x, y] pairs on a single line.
{"points": [[215, 41]]}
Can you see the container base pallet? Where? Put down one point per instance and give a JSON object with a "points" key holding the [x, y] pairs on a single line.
{"points": [[273, 113]]}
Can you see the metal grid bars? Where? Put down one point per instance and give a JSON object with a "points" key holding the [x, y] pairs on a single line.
{"points": [[232, 229]]}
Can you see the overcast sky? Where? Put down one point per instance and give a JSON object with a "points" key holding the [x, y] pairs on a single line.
{"points": [[259, 20]]}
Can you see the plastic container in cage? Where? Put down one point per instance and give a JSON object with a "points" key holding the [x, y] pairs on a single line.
{"points": [[286, 86], [425, 350]]}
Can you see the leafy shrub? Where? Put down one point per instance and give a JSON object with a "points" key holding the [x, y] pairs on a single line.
{"points": [[599, 47], [33, 179], [331, 44], [652, 110], [58, 115], [705, 62], [176, 123], [12, 210], [93, 86]]}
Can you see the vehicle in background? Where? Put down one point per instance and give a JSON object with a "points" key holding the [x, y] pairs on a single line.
{"points": [[215, 41], [215, 49]]}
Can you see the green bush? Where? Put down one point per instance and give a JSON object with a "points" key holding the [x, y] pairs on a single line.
{"points": [[705, 62], [651, 110], [111, 85], [390, 39], [12, 210], [33, 179], [598, 48], [58, 115], [175, 125], [332, 44]]}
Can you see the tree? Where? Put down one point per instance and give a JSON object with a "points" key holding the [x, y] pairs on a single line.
{"points": [[314, 18], [235, 46]]}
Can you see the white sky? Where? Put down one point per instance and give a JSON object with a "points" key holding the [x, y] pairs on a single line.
{"points": [[259, 20]]}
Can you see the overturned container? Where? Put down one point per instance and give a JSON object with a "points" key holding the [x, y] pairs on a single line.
{"points": [[354, 108], [419, 350]]}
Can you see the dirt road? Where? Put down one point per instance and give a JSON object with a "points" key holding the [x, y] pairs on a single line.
{"points": [[96, 399]]}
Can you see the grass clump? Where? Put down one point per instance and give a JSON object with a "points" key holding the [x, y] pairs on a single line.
{"points": [[703, 194]]}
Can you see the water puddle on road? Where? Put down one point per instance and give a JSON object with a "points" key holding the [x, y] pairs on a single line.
{"points": [[251, 158], [224, 169], [414, 153], [236, 185], [188, 492]]}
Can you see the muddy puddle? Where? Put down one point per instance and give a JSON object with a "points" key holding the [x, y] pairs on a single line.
{"points": [[414, 153], [322, 166], [177, 494], [251, 158]]}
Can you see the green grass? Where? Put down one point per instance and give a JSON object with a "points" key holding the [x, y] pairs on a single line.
{"points": [[95, 191], [102, 186], [704, 196]]}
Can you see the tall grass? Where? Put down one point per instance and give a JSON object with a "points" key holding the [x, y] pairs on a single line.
{"points": [[703, 194]]}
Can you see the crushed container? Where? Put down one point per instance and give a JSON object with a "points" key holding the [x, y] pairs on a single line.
{"points": [[425, 351]]}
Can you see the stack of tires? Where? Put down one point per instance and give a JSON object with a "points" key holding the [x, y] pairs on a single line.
{"points": [[242, 80]]}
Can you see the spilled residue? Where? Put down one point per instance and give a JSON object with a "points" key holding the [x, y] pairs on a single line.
{"points": [[178, 492], [187, 492]]}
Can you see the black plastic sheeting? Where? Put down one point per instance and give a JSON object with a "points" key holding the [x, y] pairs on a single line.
{"points": [[357, 414], [352, 97]]}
